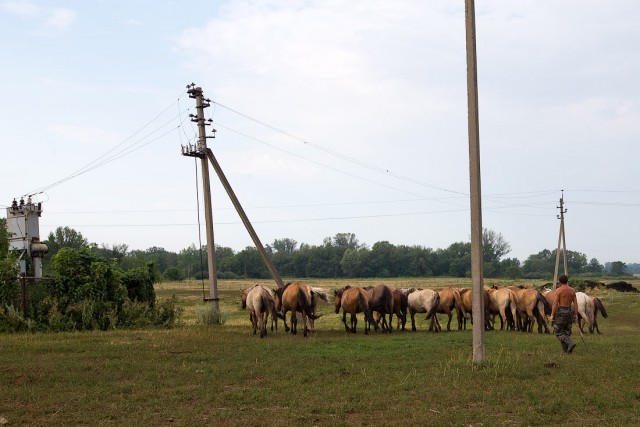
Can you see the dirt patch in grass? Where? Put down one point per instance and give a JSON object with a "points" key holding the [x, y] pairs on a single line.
{"points": [[621, 286]]}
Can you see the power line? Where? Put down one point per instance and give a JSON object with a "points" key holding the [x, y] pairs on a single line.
{"points": [[324, 165], [96, 163], [340, 155]]}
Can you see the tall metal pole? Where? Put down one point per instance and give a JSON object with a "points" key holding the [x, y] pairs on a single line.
{"points": [[196, 92], [475, 186]]}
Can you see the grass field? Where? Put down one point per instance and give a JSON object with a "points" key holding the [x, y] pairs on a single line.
{"points": [[224, 376]]}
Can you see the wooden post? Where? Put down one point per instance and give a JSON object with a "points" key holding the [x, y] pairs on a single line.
{"points": [[475, 186]]}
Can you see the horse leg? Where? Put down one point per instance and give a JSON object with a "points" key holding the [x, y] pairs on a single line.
{"points": [[294, 322], [304, 324], [284, 319], [503, 318], [449, 321], [254, 321], [344, 320], [354, 323], [413, 320]]}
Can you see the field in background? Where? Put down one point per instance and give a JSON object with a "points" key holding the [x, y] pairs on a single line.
{"points": [[223, 375]]}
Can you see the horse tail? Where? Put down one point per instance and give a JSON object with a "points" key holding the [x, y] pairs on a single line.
{"points": [[387, 295], [434, 308], [305, 305], [458, 302], [600, 306], [545, 303], [364, 307], [270, 304]]}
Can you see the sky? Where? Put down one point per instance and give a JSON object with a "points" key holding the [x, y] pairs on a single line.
{"points": [[331, 117]]}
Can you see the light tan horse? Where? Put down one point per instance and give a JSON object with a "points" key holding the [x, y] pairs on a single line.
{"points": [[423, 301], [501, 302], [243, 297], [260, 303], [353, 301], [532, 307], [295, 297], [450, 299], [466, 295], [588, 308]]}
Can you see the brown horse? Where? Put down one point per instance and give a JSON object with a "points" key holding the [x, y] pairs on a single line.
{"points": [[532, 307], [450, 299], [467, 302], [353, 301], [381, 301], [295, 297], [505, 303]]}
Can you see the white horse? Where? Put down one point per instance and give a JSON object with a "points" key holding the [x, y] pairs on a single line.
{"points": [[587, 310], [260, 303], [423, 301]]}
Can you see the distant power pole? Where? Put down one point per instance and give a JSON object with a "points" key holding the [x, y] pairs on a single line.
{"points": [[561, 238], [474, 180]]}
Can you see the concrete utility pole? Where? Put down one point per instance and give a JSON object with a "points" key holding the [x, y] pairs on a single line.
{"points": [[204, 153], [561, 238], [201, 104], [474, 179]]}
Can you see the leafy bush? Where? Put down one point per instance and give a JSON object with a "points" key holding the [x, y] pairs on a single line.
{"points": [[87, 293], [9, 290], [139, 284]]}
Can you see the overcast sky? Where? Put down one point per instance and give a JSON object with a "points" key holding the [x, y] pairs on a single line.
{"points": [[331, 117]]}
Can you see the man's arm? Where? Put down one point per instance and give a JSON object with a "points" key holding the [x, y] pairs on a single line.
{"points": [[554, 307], [575, 308]]}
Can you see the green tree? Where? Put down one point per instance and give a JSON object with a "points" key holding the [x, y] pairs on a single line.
{"points": [[4, 238], [459, 254], [618, 268], [594, 267]]}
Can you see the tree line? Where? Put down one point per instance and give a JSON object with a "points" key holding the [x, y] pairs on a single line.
{"points": [[340, 256]]}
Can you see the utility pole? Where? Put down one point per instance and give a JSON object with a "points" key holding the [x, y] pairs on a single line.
{"points": [[475, 186], [200, 151], [204, 153], [561, 238]]}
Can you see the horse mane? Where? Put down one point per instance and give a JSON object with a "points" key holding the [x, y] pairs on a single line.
{"points": [[322, 293], [600, 306]]}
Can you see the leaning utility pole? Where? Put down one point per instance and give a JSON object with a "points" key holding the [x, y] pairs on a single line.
{"points": [[474, 179], [561, 238]]}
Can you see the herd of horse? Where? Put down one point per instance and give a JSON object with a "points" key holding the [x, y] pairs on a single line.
{"points": [[519, 308]]}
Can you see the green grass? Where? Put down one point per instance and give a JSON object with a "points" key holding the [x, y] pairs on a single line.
{"points": [[223, 375]]}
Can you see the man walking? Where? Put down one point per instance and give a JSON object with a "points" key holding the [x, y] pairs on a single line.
{"points": [[563, 313]]}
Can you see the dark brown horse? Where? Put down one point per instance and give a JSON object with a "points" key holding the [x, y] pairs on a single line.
{"points": [[400, 305], [353, 301], [295, 297], [381, 301]]}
